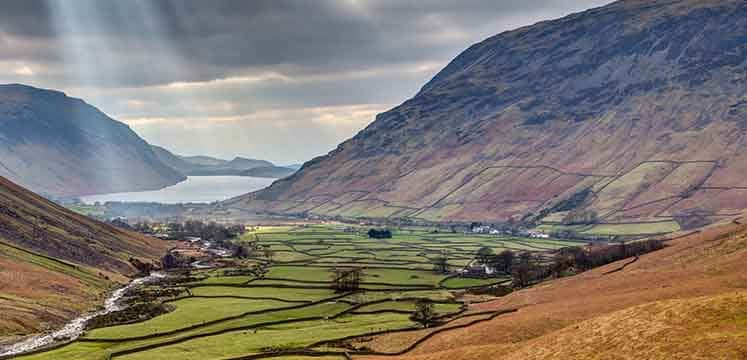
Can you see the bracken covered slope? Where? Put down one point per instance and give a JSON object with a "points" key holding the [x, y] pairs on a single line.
{"points": [[640, 106], [687, 301], [55, 263], [57, 145]]}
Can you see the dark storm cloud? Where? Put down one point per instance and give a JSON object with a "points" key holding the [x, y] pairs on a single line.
{"points": [[223, 38], [198, 62]]}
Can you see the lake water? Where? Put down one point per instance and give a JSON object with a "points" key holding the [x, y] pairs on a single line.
{"points": [[196, 189]]}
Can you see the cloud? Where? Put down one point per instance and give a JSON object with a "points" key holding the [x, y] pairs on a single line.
{"points": [[23, 70], [294, 77], [283, 135]]}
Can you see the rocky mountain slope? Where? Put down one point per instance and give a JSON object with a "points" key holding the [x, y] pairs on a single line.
{"points": [[206, 166], [55, 263], [634, 112], [61, 146]]}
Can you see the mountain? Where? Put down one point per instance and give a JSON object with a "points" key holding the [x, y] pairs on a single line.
{"points": [[294, 166], [632, 113], [275, 172], [206, 166], [55, 264], [244, 163], [686, 301], [61, 146]]}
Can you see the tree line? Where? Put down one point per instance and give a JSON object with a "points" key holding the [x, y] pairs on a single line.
{"points": [[526, 268]]}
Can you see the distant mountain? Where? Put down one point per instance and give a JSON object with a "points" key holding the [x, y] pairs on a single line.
{"points": [[207, 166], [56, 263], [276, 172], [635, 112], [61, 146], [294, 166], [244, 163]]}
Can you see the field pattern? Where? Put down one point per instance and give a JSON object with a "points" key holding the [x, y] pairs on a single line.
{"points": [[292, 311]]}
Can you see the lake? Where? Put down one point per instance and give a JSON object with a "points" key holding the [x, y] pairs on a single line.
{"points": [[196, 189]]}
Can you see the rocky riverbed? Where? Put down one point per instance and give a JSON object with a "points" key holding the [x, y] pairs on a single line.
{"points": [[75, 328]]}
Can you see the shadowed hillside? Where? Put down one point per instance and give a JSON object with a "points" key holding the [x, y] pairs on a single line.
{"points": [[57, 145], [55, 263], [634, 112]]}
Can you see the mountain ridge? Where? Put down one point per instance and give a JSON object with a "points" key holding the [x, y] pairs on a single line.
{"points": [[623, 101], [206, 166]]}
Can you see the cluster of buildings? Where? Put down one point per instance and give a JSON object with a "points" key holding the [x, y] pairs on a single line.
{"points": [[487, 229]]}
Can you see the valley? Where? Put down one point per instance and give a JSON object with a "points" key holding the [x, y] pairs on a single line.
{"points": [[569, 186], [291, 306]]}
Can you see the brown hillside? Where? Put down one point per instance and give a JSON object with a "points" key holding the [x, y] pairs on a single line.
{"points": [[55, 263], [686, 301], [639, 103]]}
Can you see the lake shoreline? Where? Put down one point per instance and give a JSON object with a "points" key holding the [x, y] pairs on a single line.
{"points": [[195, 189]]}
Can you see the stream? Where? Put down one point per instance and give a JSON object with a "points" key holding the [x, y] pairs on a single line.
{"points": [[75, 328]]}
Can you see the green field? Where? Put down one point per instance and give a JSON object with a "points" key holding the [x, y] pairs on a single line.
{"points": [[293, 309]]}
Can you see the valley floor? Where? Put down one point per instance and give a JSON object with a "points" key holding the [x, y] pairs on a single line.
{"points": [[688, 300], [228, 313]]}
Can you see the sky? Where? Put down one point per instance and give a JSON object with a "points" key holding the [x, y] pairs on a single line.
{"points": [[270, 79]]}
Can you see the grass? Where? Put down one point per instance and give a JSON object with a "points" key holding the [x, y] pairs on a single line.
{"points": [[217, 280], [287, 336], [188, 312], [259, 292], [76, 271], [214, 320], [461, 283], [408, 306], [633, 229]]}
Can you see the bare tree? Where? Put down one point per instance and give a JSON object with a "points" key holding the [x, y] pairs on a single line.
{"points": [[268, 252], [522, 272], [347, 279], [425, 314], [441, 264]]}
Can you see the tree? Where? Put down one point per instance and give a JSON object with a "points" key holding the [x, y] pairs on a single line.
{"points": [[521, 273], [241, 252], [347, 279], [260, 270], [267, 252], [441, 264], [484, 255], [380, 233], [425, 313], [506, 259], [169, 261]]}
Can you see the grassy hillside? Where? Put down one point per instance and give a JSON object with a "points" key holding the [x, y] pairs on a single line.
{"points": [[686, 301], [232, 313], [55, 263]]}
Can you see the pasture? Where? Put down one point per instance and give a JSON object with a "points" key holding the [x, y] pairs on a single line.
{"points": [[292, 311]]}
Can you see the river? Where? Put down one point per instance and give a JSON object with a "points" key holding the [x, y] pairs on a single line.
{"points": [[75, 328], [196, 189]]}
